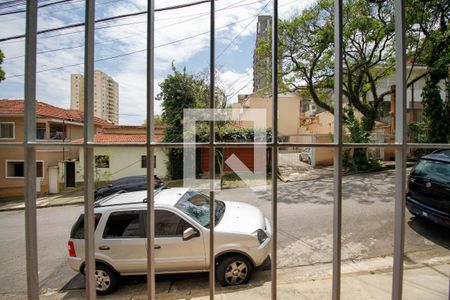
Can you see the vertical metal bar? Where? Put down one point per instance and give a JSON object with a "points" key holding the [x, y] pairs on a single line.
{"points": [[337, 155], [400, 153], [212, 150], [89, 149], [30, 152], [150, 222], [274, 176], [150, 151]]}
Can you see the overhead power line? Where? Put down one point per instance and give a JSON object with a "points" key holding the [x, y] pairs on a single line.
{"points": [[40, 6], [108, 19], [141, 22], [231, 6], [245, 28], [138, 51], [243, 87]]}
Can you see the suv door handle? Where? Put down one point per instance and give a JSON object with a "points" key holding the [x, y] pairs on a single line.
{"points": [[103, 248], [157, 247]]}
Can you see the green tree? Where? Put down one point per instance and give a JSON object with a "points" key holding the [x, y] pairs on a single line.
{"points": [[307, 59], [307, 47], [178, 91], [2, 73], [429, 35]]}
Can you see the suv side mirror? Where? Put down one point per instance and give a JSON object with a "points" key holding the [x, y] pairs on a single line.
{"points": [[190, 233]]}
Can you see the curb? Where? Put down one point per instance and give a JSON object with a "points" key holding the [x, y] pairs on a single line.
{"points": [[42, 206]]}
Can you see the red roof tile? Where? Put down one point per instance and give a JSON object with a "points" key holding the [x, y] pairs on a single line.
{"points": [[119, 138], [111, 138], [16, 107], [126, 127]]}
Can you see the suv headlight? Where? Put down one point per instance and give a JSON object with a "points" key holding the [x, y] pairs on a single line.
{"points": [[260, 235]]}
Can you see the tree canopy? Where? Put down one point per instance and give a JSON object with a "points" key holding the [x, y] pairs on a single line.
{"points": [[307, 47], [429, 45], [2, 73]]}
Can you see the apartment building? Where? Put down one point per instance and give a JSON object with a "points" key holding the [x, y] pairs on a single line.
{"points": [[106, 95], [262, 64]]}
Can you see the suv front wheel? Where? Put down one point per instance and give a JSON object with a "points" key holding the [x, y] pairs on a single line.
{"points": [[234, 270], [106, 280]]}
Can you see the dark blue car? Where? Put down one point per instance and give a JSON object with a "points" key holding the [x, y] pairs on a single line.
{"points": [[428, 193], [127, 184]]}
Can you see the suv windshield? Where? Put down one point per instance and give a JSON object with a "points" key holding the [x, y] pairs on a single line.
{"points": [[434, 170], [196, 206]]}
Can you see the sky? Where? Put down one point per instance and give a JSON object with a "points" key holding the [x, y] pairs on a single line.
{"points": [[181, 39]]}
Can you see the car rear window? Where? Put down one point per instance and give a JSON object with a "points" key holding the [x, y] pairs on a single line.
{"points": [[77, 231], [434, 170]]}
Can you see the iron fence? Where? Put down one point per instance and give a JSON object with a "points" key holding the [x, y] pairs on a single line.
{"points": [[30, 144]]}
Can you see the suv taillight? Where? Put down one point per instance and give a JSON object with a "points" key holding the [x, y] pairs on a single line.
{"points": [[72, 252]]}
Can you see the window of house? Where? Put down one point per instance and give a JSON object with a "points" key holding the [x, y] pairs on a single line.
{"points": [[144, 161], [15, 169], [123, 225], [57, 131], [40, 131], [7, 130], [102, 161]]}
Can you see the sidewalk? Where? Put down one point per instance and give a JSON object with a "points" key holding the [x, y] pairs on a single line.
{"points": [[423, 278], [429, 283], [62, 199]]}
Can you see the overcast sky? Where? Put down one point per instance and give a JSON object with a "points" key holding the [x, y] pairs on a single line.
{"points": [[181, 37]]}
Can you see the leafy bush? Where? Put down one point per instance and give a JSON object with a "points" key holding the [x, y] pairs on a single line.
{"points": [[358, 159]]}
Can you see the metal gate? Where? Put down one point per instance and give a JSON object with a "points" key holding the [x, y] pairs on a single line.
{"points": [[30, 145]]}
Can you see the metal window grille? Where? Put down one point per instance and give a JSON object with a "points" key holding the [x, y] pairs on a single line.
{"points": [[30, 144]]}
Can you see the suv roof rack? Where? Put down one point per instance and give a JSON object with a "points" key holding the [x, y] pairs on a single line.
{"points": [[103, 200], [156, 192], [102, 203]]}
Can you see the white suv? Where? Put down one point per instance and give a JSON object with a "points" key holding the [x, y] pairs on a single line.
{"points": [[242, 237]]}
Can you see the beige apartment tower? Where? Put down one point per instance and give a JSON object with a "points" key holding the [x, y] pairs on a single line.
{"points": [[262, 63], [106, 95]]}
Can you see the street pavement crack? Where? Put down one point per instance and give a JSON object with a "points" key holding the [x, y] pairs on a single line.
{"points": [[170, 287]]}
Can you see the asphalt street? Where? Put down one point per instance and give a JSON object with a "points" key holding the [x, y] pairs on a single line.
{"points": [[305, 211]]}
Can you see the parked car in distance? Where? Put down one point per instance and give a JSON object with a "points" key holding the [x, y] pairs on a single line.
{"points": [[428, 193], [305, 155], [128, 184], [181, 242]]}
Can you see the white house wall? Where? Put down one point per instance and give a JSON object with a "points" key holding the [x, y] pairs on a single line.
{"points": [[123, 161], [384, 85]]}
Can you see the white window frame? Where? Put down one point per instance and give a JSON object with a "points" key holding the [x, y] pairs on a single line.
{"points": [[22, 161], [14, 131]]}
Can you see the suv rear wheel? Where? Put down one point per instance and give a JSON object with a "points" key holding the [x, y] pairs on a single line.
{"points": [[106, 280], [234, 270]]}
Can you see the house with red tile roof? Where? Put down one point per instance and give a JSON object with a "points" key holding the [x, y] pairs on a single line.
{"points": [[119, 161], [55, 166]]}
